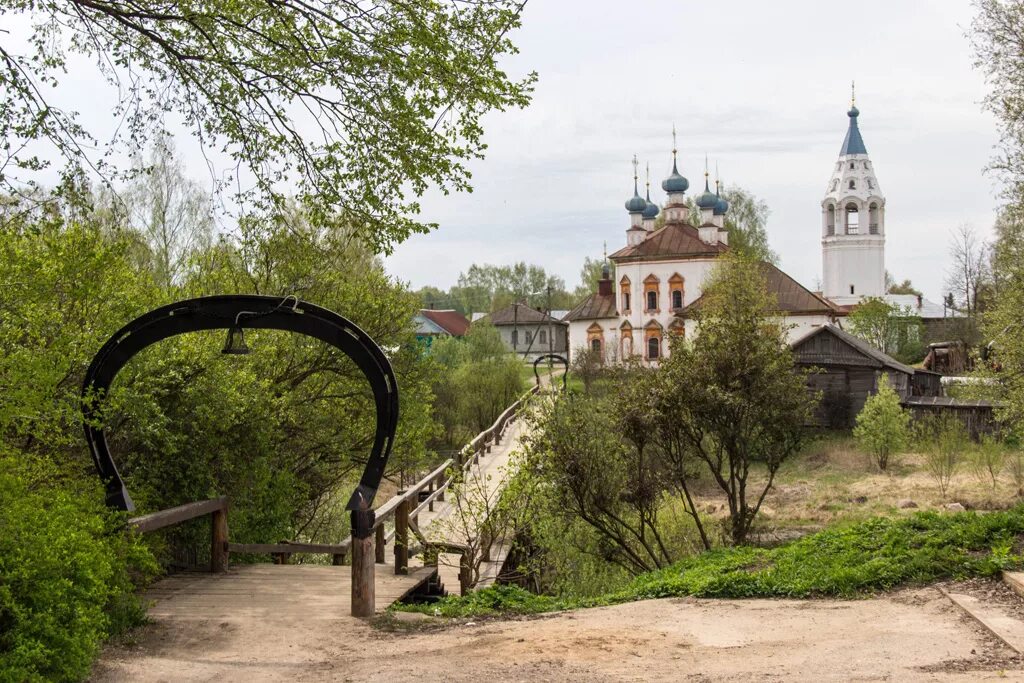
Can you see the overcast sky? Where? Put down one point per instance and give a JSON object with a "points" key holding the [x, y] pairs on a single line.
{"points": [[763, 89]]}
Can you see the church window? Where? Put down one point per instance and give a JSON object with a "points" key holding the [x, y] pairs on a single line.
{"points": [[625, 302], [675, 288], [651, 293], [852, 219], [830, 220], [851, 165], [853, 184], [595, 339], [867, 165], [851, 289], [835, 185], [624, 288], [653, 348], [873, 219], [871, 185]]}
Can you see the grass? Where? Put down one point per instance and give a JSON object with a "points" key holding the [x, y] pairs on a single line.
{"points": [[846, 560]]}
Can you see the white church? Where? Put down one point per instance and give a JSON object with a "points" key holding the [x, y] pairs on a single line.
{"points": [[660, 272]]}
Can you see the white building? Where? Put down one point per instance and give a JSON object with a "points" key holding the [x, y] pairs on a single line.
{"points": [[659, 278], [853, 225]]}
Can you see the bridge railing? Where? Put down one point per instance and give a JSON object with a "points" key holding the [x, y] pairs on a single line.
{"points": [[406, 507]]}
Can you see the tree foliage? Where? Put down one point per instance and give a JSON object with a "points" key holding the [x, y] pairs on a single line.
{"points": [[354, 110], [890, 328], [883, 426], [732, 399]]}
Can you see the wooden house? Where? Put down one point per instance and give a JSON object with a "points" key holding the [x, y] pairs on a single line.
{"points": [[848, 370]]}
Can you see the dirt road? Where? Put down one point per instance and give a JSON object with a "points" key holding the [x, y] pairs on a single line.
{"points": [[909, 635]]}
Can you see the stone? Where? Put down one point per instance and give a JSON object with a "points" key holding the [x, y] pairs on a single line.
{"points": [[955, 507], [859, 499], [905, 503]]}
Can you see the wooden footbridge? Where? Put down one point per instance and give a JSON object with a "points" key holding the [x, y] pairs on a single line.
{"points": [[434, 544]]}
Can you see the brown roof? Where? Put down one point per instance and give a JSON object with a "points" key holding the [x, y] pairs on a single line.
{"points": [[451, 321], [791, 296], [671, 240], [880, 359], [518, 313], [593, 307]]}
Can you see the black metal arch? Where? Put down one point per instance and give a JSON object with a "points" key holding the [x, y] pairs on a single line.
{"points": [[243, 311], [552, 356]]}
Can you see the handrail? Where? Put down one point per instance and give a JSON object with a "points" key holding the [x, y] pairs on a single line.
{"points": [[216, 507]]}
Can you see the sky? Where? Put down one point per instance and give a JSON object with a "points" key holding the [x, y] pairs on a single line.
{"points": [[762, 89]]}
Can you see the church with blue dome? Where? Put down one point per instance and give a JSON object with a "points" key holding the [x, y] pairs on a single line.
{"points": [[670, 250]]}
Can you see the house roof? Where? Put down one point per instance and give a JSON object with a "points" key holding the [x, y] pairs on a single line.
{"points": [[791, 297], [519, 314], [879, 358], [927, 310], [593, 307], [678, 240], [451, 321]]}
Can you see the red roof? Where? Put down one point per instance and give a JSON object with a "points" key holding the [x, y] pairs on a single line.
{"points": [[452, 322], [678, 240]]}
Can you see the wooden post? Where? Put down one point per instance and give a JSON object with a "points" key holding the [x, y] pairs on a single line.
{"points": [[402, 535], [440, 485], [378, 545], [465, 573], [430, 492], [363, 597], [219, 539]]}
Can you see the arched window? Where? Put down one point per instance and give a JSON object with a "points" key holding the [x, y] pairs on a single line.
{"points": [[873, 219], [871, 185], [624, 288], [653, 348], [835, 184], [851, 165], [853, 184], [830, 220], [852, 219]]}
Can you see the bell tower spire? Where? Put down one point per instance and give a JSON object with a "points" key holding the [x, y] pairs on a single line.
{"points": [[853, 222]]}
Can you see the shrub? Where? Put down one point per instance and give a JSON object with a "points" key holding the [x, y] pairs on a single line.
{"points": [[945, 440], [987, 460], [882, 425], [67, 576]]}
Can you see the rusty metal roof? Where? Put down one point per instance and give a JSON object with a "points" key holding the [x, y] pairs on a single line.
{"points": [[593, 307], [680, 240]]}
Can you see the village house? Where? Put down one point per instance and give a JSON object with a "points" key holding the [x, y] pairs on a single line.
{"points": [[529, 332], [431, 324]]}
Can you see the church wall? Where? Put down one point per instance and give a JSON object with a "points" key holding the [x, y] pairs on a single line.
{"points": [[858, 261], [579, 337]]}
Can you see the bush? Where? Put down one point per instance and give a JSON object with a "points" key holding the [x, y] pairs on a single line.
{"points": [[882, 425], [945, 440], [987, 460], [67, 576]]}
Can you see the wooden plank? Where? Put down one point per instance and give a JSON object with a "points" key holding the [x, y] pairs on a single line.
{"points": [[274, 548], [176, 515]]}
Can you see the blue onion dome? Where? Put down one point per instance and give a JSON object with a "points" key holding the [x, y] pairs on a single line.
{"points": [[854, 112], [708, 199], [721, 206], [652, 209], [636, 204], [675, 182]]}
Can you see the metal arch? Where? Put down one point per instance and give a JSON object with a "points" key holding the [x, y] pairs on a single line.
{"points": [[552, 356], [245, 311]]}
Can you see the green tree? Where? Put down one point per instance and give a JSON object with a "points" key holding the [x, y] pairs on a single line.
{"points": [[888, 327], [905, 287], [489, 287], [732, 401], [1004, 321], [883, 426], [590, 273], [350, 111]]}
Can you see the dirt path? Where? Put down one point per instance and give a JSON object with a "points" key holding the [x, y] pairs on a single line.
{"points": [[910, 635]]}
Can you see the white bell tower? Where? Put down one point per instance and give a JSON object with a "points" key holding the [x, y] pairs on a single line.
{"points": [[853, 224]]}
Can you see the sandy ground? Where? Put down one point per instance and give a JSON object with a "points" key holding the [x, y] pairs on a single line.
{"points": [[906, 636]]}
